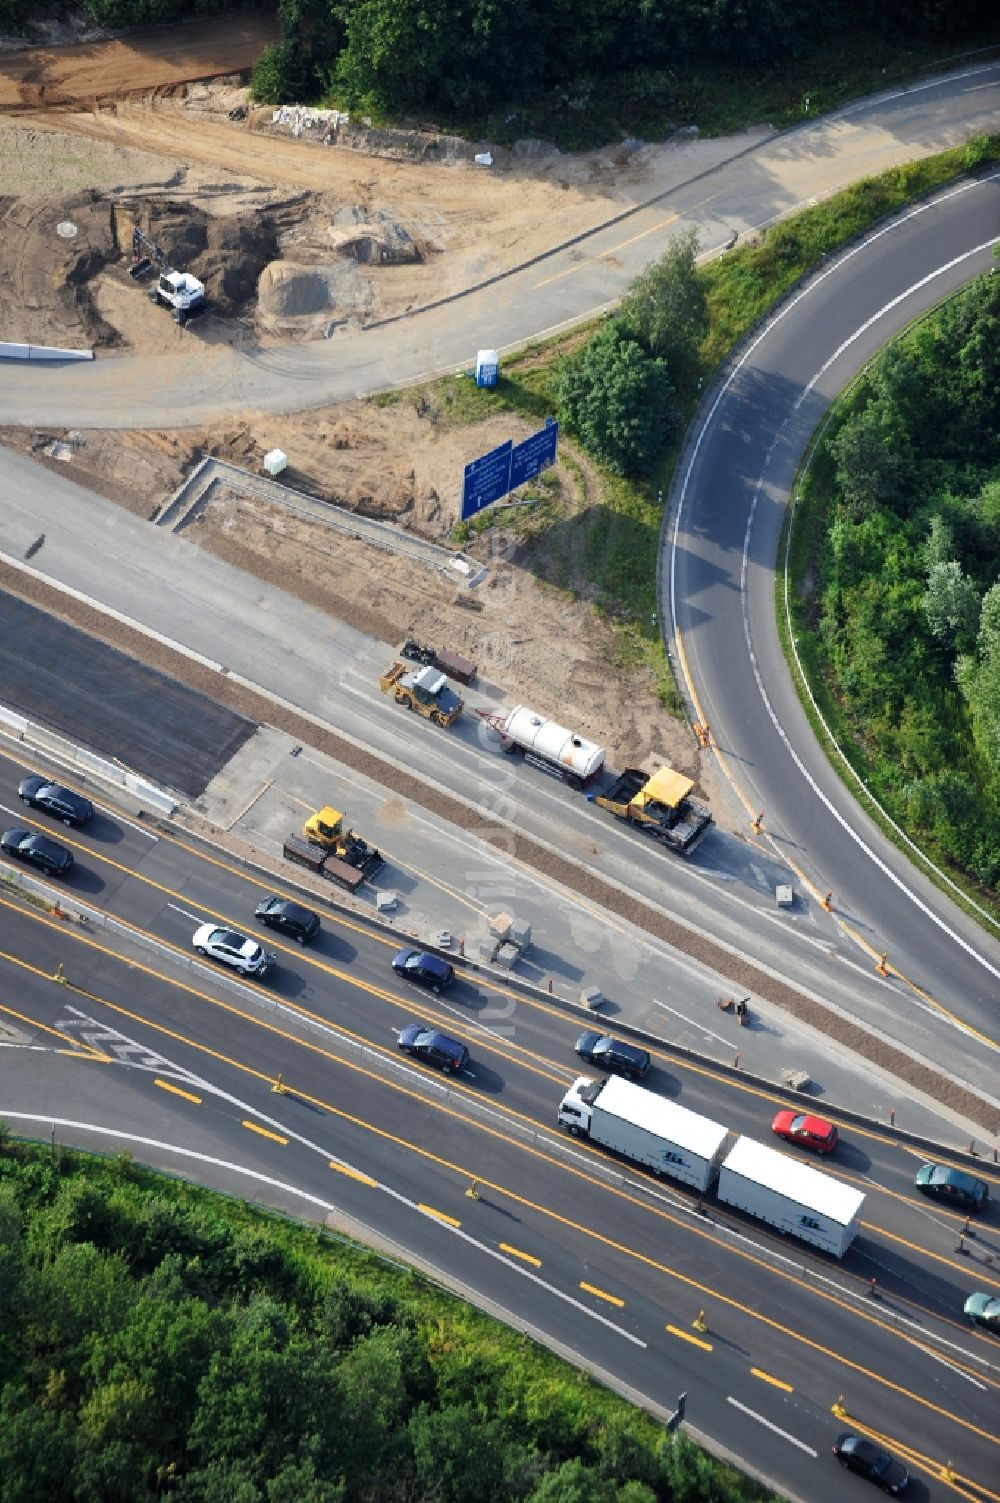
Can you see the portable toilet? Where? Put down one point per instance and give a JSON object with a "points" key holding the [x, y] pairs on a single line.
{"points": [[487, 368]]}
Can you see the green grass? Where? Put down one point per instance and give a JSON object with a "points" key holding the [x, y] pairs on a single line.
{"points": [[744, 283], [601, 544]]}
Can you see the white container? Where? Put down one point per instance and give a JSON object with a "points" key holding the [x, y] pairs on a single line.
{"points": [[645, 1128], [487, 368], [797, 1199], [275, 461], [560, 749]]}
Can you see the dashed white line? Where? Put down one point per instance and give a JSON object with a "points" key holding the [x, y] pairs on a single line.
{"points": [[769, 1425]]}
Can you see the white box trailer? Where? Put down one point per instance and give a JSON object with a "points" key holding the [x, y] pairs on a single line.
{"points": [[645, 1128], [794, 1197]]}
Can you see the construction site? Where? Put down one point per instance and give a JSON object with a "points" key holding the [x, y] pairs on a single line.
{"points": [[285, 226]]}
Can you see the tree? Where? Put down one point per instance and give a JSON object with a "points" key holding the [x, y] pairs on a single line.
{"points": [[940, 545], [951, 605], [617, 399], [458, 1457], [869, 465], [664, 310], [989, 621], [573, 1482]]}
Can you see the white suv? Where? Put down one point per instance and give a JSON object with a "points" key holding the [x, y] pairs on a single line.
{"points": [[243, 954]]}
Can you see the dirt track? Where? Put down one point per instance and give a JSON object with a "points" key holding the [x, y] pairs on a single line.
{"points": [[71, 77]]}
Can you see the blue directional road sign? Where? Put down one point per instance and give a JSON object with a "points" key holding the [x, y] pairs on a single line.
{"points": [[486, 479], [534, 454]]}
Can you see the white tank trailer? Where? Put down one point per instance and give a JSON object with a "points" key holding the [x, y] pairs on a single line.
{"points": [[552, 746]]}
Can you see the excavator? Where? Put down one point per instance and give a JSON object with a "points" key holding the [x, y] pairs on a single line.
{"points": [[326, 828], [179, 291]]}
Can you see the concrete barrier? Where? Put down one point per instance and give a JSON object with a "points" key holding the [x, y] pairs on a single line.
{"points": [[9, 351], [13, 721], [153, 799]]}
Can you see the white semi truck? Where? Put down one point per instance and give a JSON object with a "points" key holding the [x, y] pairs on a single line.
{"points": [[645, 1128], [794, 1197]]}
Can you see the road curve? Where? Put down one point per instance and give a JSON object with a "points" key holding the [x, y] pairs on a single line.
{"points": [[732, 492], [753, 187]]}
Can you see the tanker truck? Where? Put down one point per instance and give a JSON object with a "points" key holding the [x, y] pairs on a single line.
{"points": [[545, 744]]}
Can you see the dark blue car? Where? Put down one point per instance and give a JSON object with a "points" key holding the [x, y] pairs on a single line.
{"points": [[433, 1048], [427, 970]]}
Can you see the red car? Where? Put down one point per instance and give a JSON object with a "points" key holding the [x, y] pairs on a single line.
{"points": [[807, 1132]]}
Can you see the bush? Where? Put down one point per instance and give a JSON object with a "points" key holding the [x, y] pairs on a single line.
{"points": [[616, 398]]}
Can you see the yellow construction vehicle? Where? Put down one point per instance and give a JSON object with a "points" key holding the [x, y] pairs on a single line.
{"points": [[425, 690], [325, 828], [660, 805]]}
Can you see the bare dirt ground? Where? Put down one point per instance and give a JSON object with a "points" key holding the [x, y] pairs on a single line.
{"points": [[293, 228], [63, 77], [543, 643]]}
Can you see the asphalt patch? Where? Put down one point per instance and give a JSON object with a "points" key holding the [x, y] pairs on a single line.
{"points": [[100, 698]]}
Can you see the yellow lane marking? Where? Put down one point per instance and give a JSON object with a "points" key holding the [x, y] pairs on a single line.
{"points": [[758, 1372], [174, 1090], [75, 1045], [465, 1175], [417, 1010], [362, 1179], [526, 1257], [841, 924], [706, 1346], [94, 1059], [390, 997], [918, 1458], [326, 1054], [612, 1299], [603, 255], [438, 1215], [265, 1132], [476, 908]]}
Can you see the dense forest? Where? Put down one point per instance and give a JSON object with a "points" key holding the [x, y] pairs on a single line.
{"points": [[579, 70], [157, 1341], [900, 593]]}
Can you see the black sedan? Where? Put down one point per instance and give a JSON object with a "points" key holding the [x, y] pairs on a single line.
{"points": [[872, 1462], [289, 918], [614, 1055], [39, 793], [37, 850]]}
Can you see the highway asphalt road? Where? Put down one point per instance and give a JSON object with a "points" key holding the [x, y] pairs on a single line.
{"points": [[608, 1263], [114, 705], [719, 571], [762, 180], [330, 671]]}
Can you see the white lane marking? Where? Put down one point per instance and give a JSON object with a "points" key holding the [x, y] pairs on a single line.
{"points": [[121, 820], [194, 917], [792, 1439], [699, 1026], [956, 1370], [526, 1273], [325, 1205], [695, 451]]}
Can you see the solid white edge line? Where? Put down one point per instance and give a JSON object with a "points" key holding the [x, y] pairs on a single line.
{"points": [[324, 1205], [769, 1425], [767, 329]]}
